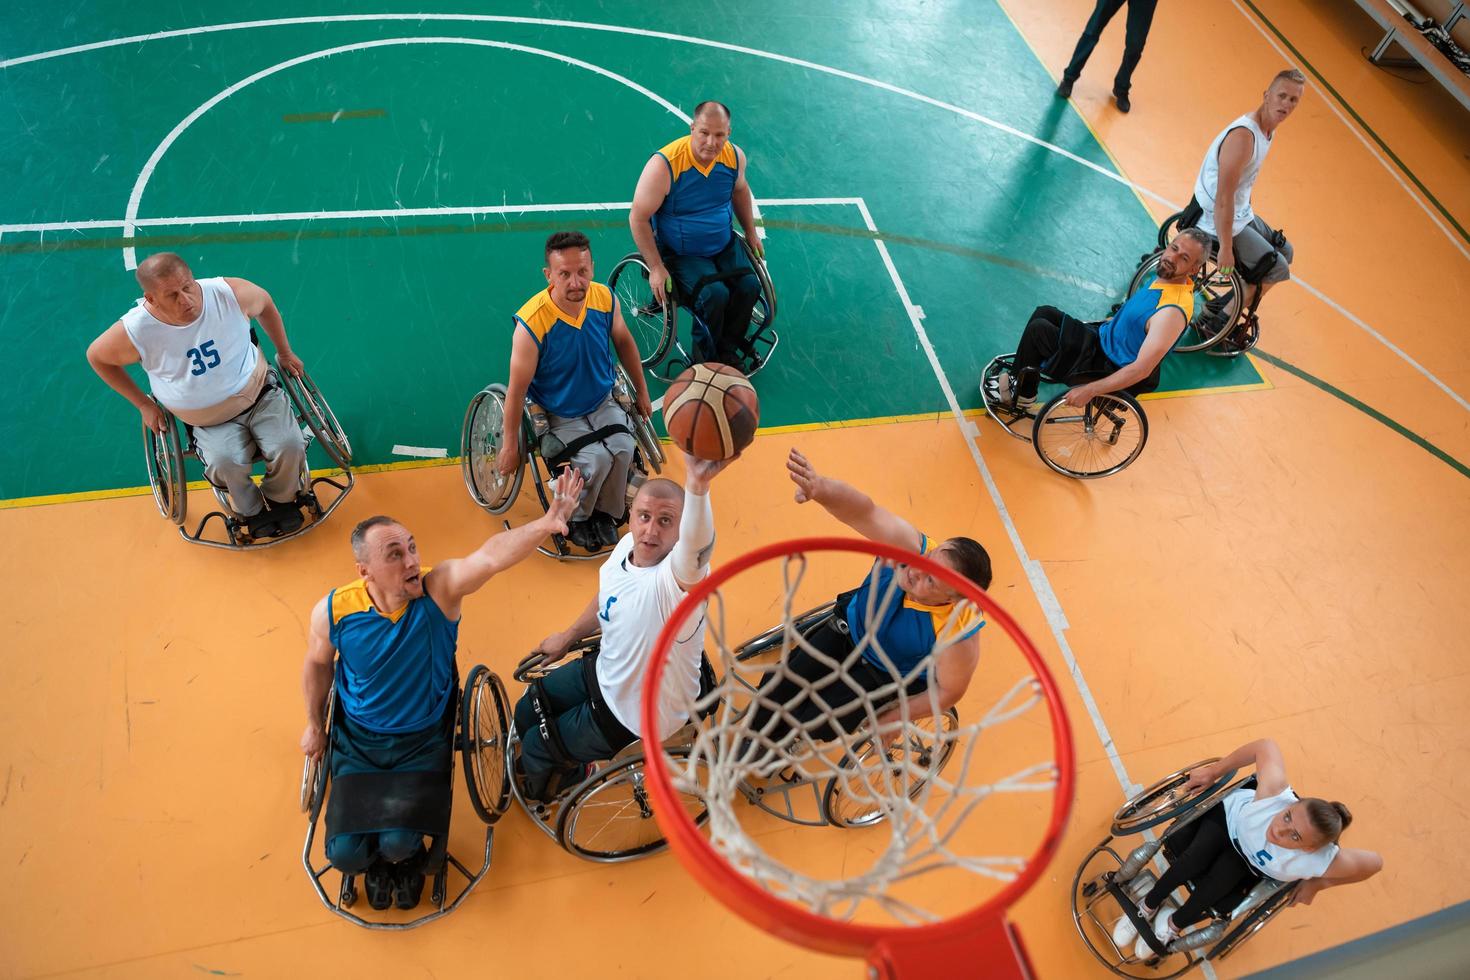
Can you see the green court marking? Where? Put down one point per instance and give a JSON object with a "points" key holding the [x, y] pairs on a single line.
{"points": [[1444, 212], [1367, 410], [302, 117]]}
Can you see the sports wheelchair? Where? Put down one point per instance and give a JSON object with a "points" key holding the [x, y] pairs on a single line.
{"points": [[1114, 884], [166, 452], [480, 440], [656, 326], [607, 815], [483, 722], [818, 799], [1220, 326], [1099, 439]]}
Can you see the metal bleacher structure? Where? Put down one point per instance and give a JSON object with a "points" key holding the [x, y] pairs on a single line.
{"points": [[1401, 20]]}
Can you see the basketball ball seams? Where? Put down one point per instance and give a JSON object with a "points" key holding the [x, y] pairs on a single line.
{"points": [[732, 404]]}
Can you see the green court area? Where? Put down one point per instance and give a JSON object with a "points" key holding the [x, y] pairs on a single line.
{"points": [[391, 183]]}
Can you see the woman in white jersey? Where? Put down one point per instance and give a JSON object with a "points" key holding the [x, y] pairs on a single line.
{"points": [[1265, 832]]}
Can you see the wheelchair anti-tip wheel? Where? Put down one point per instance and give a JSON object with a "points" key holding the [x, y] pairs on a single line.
{"points": [[1218, 298], [916, 756], [650, 322], [313, 409], [484, 729], [164, 454], [1167, 799], [480, 449], [1099, 439], [609, 817]]}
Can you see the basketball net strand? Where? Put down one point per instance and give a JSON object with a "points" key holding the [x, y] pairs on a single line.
{"points": [[924, 787]]}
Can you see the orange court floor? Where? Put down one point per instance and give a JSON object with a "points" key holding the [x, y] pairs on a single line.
{"points": [[1279, 563]]}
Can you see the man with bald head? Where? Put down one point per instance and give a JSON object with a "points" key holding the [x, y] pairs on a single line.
{"points": [[194, 342], [681, 220], [586, 712], [388, 643]]}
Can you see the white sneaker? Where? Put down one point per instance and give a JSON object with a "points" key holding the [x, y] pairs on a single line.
{"points": [[1003, 388], [1163, 931], [1124, 932]]}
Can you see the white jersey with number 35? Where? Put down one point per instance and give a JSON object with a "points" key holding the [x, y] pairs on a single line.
{"points": [[199, 364]]}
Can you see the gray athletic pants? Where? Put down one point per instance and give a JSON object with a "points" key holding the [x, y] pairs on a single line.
{"points": [[229, 449], [604, 464], [1253, 244]]}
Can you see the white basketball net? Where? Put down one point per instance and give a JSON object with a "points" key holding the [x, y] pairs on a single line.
{"points": [[917, 796]]}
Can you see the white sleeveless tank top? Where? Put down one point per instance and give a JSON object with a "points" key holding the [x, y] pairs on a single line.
{"points": [[1246, 819], [1209, 177], [203, 363]]}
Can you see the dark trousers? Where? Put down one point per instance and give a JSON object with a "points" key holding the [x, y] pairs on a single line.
{"points": [[1140, 18], [721, 309], [568, 702], [1064, 348], [1206, 857], [355, 853], [826, 693]]}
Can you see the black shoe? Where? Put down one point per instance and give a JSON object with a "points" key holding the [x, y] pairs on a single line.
{"points": [[288, 517], [1121, 98], [407, 889], [1064, 90], [378, 883], [262, 523], [606, 528], [583, 534]]}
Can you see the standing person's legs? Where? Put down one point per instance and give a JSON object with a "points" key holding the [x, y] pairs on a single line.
{"points": [[743, 293], [687, 270], [1101, 14], [1140, 19], [229, 451]]}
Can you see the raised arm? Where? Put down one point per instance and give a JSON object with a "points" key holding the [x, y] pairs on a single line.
{"points": [[1164, 328], [108, 355], [850, 505], [452, 580], [524, 356], [648, 197], [689, 559], [632, 361], [1264, 754], [744, 203], [316, 680], [1235, 153], [257, 304]]}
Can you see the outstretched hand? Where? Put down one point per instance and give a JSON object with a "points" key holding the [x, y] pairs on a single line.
{"points": [[566, 494], [701, 471], [804, 475]]}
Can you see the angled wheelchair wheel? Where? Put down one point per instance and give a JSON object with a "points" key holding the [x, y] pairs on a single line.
{"points": [[534, 666], [643, 431], [915, 756], [651, 324], [314, 771], [609, 817], [164, 455], [1167, 800], [1217, 302], [480, 441], [764, 314], [1167, 228], [484, 731], [1254, 922], [313, 409], [1099, 439]]}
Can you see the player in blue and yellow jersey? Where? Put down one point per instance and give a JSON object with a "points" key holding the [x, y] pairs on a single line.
{"points": [[1125, 351], [923, 616], [687, 198], [387, 641], [561, 355]]}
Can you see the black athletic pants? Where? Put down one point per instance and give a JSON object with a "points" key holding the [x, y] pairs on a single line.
{"points": [[1066, 348], [1205, 856], [1140, 18]]}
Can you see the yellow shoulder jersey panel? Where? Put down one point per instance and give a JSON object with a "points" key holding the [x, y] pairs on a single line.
{"points": [[539, 313], [599, 298], [353, 598], [1178, 294], [679, 155]]}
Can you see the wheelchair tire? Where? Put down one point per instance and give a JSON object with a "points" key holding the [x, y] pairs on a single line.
{"points": [[1252, 924], [1099, 439], [314, 774], [843, 810], [1166, 228], [770, 639], [763, 315], [643, 431], [532, 666], [1209, 284], [484, 733], [609, 817], [651, 324], [164, 455], [1162, 802], [313, 409], [479, 448]]}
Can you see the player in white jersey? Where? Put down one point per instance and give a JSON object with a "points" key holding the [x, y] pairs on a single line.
{"points": [[585, 712], [1265, 832], [192, 338], [1222, 191]]}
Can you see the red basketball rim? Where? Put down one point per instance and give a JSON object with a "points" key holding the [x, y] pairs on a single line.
{"points": [[796, 923]]}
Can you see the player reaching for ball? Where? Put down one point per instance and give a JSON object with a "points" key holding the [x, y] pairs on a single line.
{"points": [[585, 712]]}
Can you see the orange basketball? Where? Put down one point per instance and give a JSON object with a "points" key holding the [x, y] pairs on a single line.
{"points": [[711, 411]]}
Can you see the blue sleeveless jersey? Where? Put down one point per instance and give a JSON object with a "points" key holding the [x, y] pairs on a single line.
{"points": [[695, 218], [1123, 333], [395, 674], [907, 630], [575, 370]]}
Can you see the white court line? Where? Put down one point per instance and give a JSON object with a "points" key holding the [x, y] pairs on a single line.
{"points": [[425, 452], [1051, 606], [1373, 150]]}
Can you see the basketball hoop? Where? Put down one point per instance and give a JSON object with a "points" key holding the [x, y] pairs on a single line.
{"points": [[908, 775]]}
